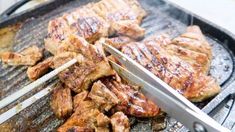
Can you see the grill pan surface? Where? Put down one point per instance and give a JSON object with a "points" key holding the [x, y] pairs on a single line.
{"points": [[162, 18]]}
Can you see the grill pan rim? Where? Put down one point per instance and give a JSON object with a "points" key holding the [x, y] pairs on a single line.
{"points": [[224, 34]]}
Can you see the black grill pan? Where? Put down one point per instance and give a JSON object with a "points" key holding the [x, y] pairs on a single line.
{"points": [[163, 17]]}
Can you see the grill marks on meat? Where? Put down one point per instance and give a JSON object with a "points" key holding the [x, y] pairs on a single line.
{"points": [[97, 20], [82, 22], [86, 116], [29, 56], [120, 122], [199, 61], [61, 101], [173, 70], [194, 44], [102, 96], [116, 42], [132, 102], [87, 120], [124, 16], [34, 72], [92, 65]]}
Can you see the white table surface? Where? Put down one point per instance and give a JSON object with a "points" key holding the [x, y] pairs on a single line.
{"points": [[219, 12]]}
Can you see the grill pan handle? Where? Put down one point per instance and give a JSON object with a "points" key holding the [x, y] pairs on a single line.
{"points": [[13, 8]]}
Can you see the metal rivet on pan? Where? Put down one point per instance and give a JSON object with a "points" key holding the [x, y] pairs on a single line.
{"points": [[198, 127]]}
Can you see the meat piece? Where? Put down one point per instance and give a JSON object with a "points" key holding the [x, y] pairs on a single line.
{"points": [[120, 122], [119, 10], [194, 40], [89, 25], [102, 96], [84, 106], [129, 28], [86, 119], [40, 69], [77, 99], [170, 68], [132, 102], [199, 61], [124, 16], [51, 46], [79, 129], [82, 22], [29, 56], [61, 101], [117, 42], [93, 66], [102, 120]]}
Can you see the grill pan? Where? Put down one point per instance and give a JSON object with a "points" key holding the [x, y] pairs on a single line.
{"points": [[163, 17]]}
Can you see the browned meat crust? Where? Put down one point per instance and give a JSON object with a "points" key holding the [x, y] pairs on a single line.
{"points": [[86, 119], [92, 67], [82, 22], [79, 129], [102, 96], [97, 20], [116, 42], [120, 122], [29, 56], [132, 102], [195, 41], [77, 99], [40, 69], [61, 101], [173, 70], [124, 16], [199, 61]]}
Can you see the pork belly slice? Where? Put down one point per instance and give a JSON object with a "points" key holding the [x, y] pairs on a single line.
{"points": [[123, 16], [102, 96], [117, 42], [170, 68], [132, 102], [193, 39], [129, 28], [29, 56], [199, 61], [120, 122], [61, 101], [34, 72], [91, 119], [77, 99], [93, 66], [82, 22]]}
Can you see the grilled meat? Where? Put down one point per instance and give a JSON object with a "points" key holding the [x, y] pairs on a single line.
{"points": [[129, 28], [116, 42], [132, 102], [124, 16], [29, 56], [87, 119], [77, 99], [79, 129], [92, 67], [199, 61], [195, 41], [40, 69], [102, 120], [173, 70], [102, 96], [120, 122], [97, 20], [82, 22], [61, 101]]}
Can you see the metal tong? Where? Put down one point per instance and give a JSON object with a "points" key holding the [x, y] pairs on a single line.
{"points": [[163, 95]]}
